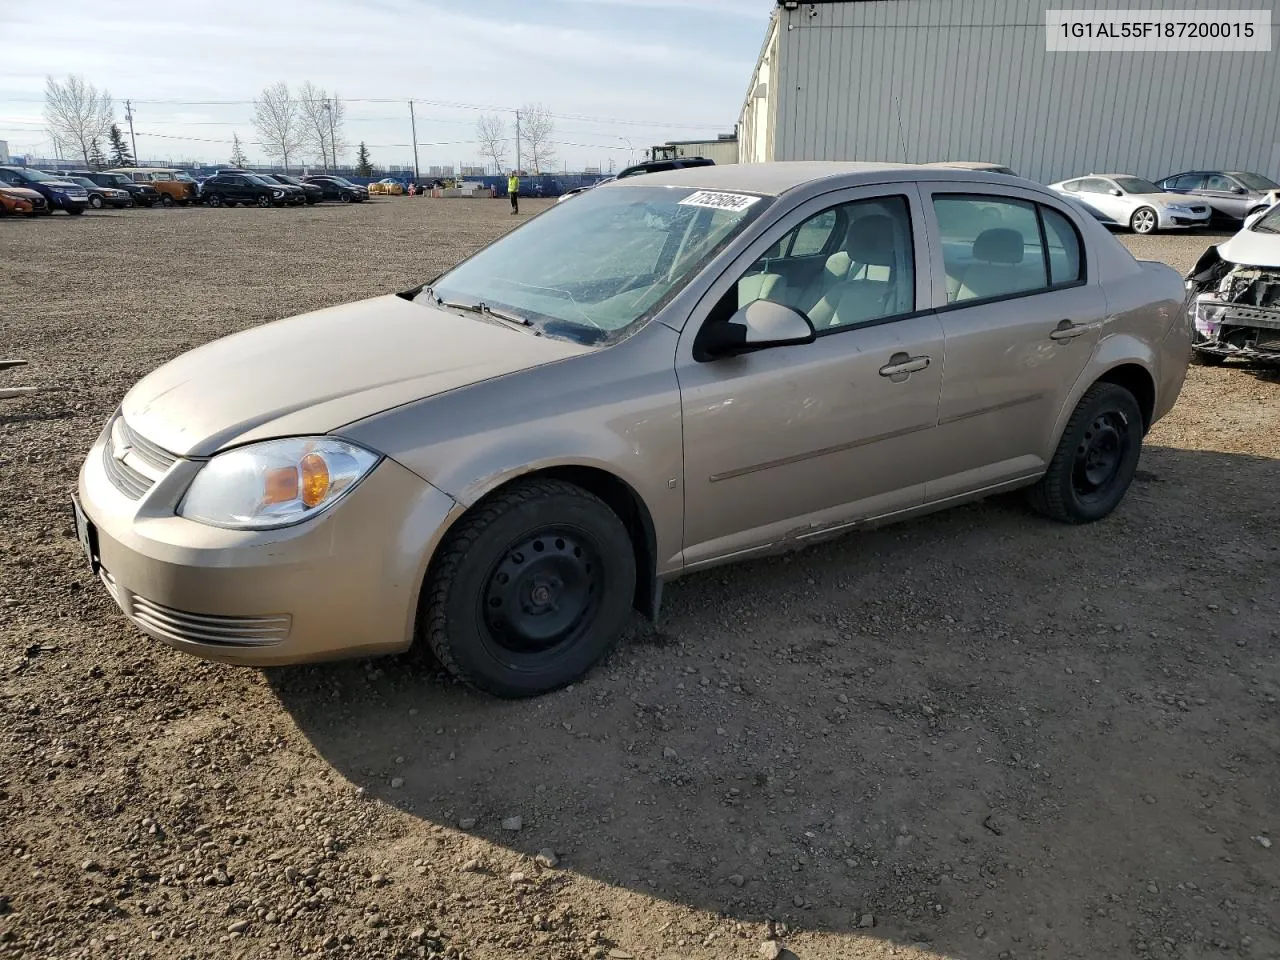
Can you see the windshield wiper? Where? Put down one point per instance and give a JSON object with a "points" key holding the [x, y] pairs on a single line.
{"points": [[483, 309]]}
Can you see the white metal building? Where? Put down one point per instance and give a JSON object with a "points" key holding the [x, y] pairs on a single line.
{"points": [[723, 149], [929, 80]]}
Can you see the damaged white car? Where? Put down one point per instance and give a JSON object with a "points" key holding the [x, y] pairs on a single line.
{"points": [[1234, 295]]}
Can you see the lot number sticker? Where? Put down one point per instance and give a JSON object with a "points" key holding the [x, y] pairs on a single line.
{"points": [[735, 202]]}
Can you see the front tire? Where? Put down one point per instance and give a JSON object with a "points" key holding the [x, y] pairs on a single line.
{"points": [[96, 202], [213, 200], [1096, 458], [264, 201], [530, 590], [1144, 220], [166, 201], [75, 211]]}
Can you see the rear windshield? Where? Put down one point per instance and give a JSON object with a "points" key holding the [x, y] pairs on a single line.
{"points": [[1256, 181], [1134, 185]]}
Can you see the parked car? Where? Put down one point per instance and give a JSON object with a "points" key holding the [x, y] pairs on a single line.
{"points": [[977, 165], [337, 188], [59, 194], [312, 193], [143, 194], [578, 190], [1235, 294], [100, 196], [21, 200], [387, 186], [504, 461], [230, 189], [1132, 202], [293, 195], [658, 166], [174, 186], [1232, 194]]}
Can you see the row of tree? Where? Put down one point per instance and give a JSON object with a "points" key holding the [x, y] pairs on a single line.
{"points": [[292, 126], [81, 118], [534, 137]]}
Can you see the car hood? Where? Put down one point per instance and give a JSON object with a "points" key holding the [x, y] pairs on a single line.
{"points": [[1164, 199], [25, 192], [313, 373], [1252, 249]]}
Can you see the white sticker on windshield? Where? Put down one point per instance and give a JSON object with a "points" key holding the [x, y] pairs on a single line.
{"points": [[719, 201]]}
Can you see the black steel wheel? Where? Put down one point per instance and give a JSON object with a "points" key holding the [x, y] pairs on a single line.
{"points": [[530, 590], [1096, 457]]}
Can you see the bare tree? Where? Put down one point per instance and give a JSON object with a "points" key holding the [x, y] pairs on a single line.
{"points": [[238, 159], [322, 118], [537, 132], [77, 114], [278, 119], [491, 134]]}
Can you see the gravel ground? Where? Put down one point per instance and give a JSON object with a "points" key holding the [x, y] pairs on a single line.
{"points": [[978, 734]]}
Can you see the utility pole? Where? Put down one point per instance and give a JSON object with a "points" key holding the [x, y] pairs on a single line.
{"points": [[413, 125], [128, 115], [333, 141], [517, 143], [328, 108]]}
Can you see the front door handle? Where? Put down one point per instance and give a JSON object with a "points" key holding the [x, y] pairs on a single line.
{"points": [[1067, 330], [902, 364]]}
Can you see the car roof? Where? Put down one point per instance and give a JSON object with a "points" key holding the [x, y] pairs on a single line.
{"points": [[776, 178], [965, 164]]}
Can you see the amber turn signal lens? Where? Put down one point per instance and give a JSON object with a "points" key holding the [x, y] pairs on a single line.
{"points": [[315, 479], [281, 485]]}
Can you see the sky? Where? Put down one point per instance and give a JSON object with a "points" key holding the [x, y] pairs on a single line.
{"points": [[620, 75]]}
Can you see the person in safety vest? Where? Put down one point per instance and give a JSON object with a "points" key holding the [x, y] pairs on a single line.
{"points": [[513, 190]]}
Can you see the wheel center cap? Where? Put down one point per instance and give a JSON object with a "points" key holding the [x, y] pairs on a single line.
{"points": [[541, 594]]}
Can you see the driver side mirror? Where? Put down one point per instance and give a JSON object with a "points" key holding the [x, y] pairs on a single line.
{"points": [[759, 325], [1116, 192], [1239, 190]]}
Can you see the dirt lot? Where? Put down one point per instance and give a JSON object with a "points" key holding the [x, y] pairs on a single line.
{"points": [[975, 735]]}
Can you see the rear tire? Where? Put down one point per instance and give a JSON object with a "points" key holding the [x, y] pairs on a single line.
{"points": [[530, 590], [1096, 458]]}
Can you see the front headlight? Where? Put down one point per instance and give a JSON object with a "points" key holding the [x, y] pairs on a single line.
{"points": [[277, 193], [275, 484], [1178, 208], [1208, 315]]}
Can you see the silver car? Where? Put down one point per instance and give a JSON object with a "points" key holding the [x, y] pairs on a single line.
{"points": [[1231, 194], [1132, 202], [672, 372]]}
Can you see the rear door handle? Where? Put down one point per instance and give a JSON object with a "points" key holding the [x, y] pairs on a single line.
{"points": [[901, 364], [1067, 330]]}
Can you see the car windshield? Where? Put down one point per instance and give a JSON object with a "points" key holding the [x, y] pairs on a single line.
{"points": [[1269, 222], [183, 177], [1256, 181], [37, 175], [83, 181], [341, 180], [591, 269], [1134, 185]]}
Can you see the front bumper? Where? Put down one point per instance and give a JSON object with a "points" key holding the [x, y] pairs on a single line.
{"points": [[344, 584], [61, 201], [1175, 220]]}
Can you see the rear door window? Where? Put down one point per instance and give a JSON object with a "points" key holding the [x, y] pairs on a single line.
{"points": [[990, 246]]}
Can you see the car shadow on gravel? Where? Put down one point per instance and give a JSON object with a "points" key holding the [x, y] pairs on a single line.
{"points": [[978, 730]]}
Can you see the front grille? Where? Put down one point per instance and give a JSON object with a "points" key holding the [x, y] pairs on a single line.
{"points": [[1199, 209], [133, 463], [216, 630]]}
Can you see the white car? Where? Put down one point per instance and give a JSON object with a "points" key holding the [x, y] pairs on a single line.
{"points": [[1135, 203], [1235, 295]]}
